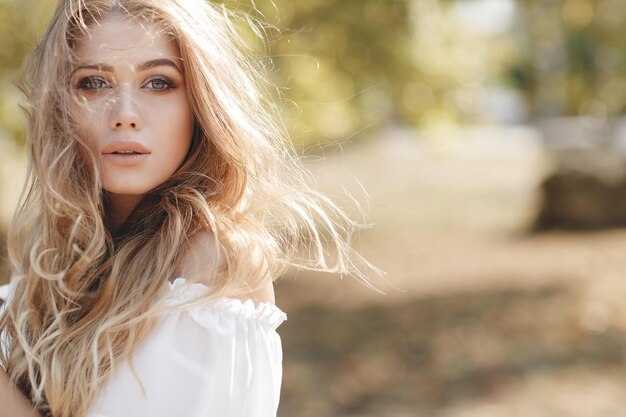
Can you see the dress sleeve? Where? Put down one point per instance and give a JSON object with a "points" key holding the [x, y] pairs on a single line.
{"points": [[6, 292], [223, 359]]}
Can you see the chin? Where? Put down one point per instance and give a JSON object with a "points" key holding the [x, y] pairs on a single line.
{"points": [[131, 185], [126, 190]]}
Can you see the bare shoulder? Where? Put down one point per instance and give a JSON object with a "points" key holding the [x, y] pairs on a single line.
{"points": [[14, 403], [205, 255], [202, 255]]}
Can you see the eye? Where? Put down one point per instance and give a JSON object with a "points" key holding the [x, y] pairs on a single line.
{"points": [[92, 83], [160, 83]]}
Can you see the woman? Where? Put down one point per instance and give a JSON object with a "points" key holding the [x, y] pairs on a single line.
{"points": [[162, 201]]}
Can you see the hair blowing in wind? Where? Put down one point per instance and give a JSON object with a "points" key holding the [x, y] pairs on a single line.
{"points": [[84, 299]]}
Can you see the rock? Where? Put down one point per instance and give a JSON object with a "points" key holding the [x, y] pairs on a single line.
{"points": [[587, 188]]}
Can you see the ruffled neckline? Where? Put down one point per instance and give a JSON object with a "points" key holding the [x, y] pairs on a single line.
{"points": [[180, 291]]}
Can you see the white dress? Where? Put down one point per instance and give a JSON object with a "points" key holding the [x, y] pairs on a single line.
{"points": [[220, 359]]}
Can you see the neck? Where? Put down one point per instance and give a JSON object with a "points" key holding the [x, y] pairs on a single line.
{"points": [[119, 208]]}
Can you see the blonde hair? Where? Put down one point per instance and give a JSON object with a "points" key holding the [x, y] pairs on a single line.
{"points": [[73, 315]]}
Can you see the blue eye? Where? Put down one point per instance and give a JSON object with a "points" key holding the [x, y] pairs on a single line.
{"points": [[160, 83], [92, 83]]}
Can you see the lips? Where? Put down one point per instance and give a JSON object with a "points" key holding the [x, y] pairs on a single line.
{"points": [[124, 147]]}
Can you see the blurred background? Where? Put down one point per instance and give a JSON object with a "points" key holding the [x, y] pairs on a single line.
{"points": [[486, 140]]}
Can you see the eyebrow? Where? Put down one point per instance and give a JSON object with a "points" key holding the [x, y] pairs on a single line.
{"points": [[143, 67]]}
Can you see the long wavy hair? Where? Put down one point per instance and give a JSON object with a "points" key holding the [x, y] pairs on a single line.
{"points": [[83, 299]]}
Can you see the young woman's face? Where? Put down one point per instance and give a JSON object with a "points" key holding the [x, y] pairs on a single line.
{"points": [[132, 88]]}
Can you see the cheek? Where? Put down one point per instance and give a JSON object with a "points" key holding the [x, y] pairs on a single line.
{"points": [[177, 126], [187, 126], [88, 123]]}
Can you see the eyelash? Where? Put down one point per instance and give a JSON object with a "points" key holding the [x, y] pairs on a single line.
{"points": [[83, 83]]}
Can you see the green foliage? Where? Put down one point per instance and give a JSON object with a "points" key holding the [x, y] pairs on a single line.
{"points": [[572, 59], [345, 66], [340, 65], [16, 32]]}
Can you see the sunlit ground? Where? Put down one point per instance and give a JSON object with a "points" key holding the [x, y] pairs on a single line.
{"points": [[491, 320], [494, 321]]}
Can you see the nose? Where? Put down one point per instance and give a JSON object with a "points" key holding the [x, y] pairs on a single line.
{"points": [[125, 112]]}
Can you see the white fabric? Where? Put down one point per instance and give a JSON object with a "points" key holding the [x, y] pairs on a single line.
{"points": [[220, 359]]}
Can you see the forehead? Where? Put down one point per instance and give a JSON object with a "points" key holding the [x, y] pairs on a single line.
{"points": [[118, 39]]}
